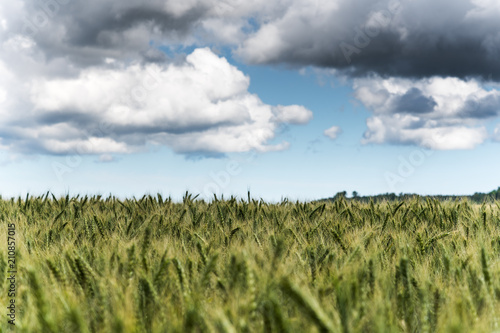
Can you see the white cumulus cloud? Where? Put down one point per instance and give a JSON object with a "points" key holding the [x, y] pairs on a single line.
{"points": [[437, 113], [201, 105], [333, 132]]}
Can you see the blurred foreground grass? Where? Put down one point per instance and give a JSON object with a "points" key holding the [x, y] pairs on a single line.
{"points": [[97, 264]]}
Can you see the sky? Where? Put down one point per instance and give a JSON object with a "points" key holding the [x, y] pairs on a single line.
{"points": [[283, 98]]}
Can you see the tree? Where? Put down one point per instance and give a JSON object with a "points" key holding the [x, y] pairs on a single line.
{"points": [[340, 195]]}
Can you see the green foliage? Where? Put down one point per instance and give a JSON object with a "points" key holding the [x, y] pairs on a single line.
{"points": [[94, 264]]}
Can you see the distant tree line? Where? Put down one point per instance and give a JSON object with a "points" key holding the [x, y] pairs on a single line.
{"points": [[476, 197]]}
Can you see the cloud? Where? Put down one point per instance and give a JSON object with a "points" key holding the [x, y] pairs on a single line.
{"points": [[496, 133], [292, 114], [199, 106], [401, 38], [413, 101], [391, 38], [70, 68], [333, 132], [437, 113], [92, 77], [399, 130], [86, 33]]}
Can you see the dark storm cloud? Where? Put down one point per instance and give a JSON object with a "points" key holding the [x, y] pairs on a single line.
{"points": [[417, 58], [88, 32], [391, 38], [405, 38]]}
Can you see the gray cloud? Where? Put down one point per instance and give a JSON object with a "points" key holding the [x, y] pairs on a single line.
{"points": [[87, 32], [481, 108], [437, 113], [413, 101], [459, 38], [391, 38]]}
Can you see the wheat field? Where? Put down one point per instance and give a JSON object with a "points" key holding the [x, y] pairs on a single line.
{"points": [[100, 264]]}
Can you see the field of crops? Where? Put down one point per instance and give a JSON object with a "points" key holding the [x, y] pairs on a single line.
{"points": [[92, 264]]}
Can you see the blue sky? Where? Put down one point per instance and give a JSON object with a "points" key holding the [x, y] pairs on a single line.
{"points": [[422, 130], [313, 167]]}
